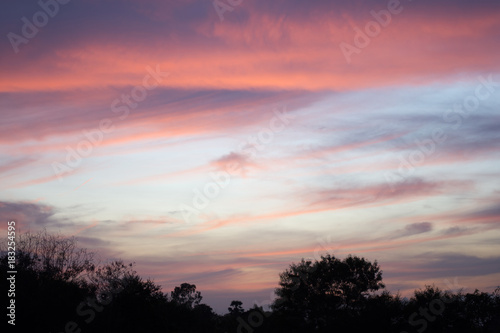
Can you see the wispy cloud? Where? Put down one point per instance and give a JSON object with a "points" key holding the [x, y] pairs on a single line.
{"points": [[323, 175], [31, 214], [414, 229]]}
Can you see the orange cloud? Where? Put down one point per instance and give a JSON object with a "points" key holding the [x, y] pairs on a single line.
{"points": [[270, 53]]}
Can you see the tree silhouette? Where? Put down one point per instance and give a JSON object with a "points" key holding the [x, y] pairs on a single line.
{"points": [[434, 310], [54, 256], [186, 295], [315, 291], [235, 308], [50, 280], [137, 305], [59, 288], [111, 278]]}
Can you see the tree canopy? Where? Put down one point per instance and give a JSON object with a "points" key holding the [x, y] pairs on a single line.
{"points": [[60, 288], [315, 290], [186, 295]]}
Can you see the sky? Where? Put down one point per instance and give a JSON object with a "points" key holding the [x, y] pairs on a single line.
{"points": [[217, 142]]}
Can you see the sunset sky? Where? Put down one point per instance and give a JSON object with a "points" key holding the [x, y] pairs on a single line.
{"points": [[216, 143]]}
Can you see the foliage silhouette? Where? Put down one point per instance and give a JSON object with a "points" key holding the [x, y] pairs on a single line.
{"points": [[59, 288], [235, 308], [186, 295], [316, 291]]}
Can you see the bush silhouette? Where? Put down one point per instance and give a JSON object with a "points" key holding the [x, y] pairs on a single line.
{"points": [[60, 288]]}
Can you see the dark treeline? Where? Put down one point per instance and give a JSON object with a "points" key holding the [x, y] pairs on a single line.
{"points": [[60, 288]]}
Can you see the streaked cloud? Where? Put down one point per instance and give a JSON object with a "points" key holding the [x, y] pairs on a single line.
{"points": [[358, 170]]}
